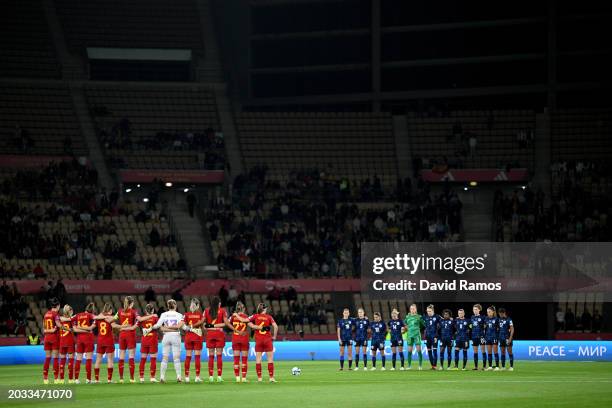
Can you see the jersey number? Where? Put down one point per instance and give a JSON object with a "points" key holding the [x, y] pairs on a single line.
{"points": [[48, 324], [103, 329]]}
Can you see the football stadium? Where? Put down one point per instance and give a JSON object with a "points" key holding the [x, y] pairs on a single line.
{"points": [[314, 203]]}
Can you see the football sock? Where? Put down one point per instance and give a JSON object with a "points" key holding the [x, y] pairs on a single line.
{"points": [[70, 368], [271, 370], [374, 361], [132, 367], [496, 359], [62, 368], [465, 356], [88, 368], [420, 353], [258, 369], [46, 367], [141, 366], [365, 359], [121, 366], [219, 365], [177, 365], [511, 358], [77, 369], [341, 362], [198, 365], [456, 358], [109, 373], [97, 373], [236, 365], [393, 359], [211, 364], [350, 364], [187, 364], [383, 358], [476, 359], [153, 366], [484, 359], [55, 367], [244, 366], [402, 358], [164, 367], [409, 359]]}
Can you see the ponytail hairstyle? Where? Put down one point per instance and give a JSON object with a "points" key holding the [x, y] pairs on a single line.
{"points": [[90, 308], [67, 311], [149, 309], [239, 307], [53, 303], [492, 308], [261, 308], [195, 304], [171, 303], [107, 309], [215, 303], [128, 302]]}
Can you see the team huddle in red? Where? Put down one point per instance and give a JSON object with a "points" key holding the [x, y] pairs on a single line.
{"points": [[69, 337]]}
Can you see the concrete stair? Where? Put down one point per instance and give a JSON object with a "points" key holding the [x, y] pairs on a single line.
{"points": [[190, 235], [477, 213]]}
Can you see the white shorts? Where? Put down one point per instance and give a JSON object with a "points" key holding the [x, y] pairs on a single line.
{"points": [[172, 342]]}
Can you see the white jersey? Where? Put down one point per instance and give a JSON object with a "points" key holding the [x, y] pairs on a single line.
{"points": [[169, 318]]}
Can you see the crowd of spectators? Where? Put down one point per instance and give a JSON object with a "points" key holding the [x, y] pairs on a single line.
{"points": [[585, 322], [575, 213], [305, 228], [68, 190], [13, 310]]}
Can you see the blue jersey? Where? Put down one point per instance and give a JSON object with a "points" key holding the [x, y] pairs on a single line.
{"points": [[461, 329], [361, 328], [395, 327], [379, 332], [477, 326], [504, 327], [446, 329], [491, 327], [346, 329], [432, 325]]}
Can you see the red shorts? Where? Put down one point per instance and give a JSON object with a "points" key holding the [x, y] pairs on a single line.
{"points": [[84, 344], [215, 339], [127, 340], [193, 343], [66, 348], [264, 345], [51, 342], [148, 348], [105, 349]]}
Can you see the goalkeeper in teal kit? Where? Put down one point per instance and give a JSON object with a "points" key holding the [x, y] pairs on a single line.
{"points": [[414, 325]]}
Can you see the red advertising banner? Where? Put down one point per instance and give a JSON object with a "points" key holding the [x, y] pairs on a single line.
{"points": [[28, 287], [15, 161], [212, 286], [173, 176], [478, 175]]}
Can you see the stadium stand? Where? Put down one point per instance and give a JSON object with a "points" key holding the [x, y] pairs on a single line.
{"points": [[125, 25], [581, 135], [157, 127], [38, 118], [502, 138], [26, 49], [358, 145]]}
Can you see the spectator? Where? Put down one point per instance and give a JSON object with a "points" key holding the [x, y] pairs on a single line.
{"points": [[560, 320], [177, 295], [191, 202], [569, 320], [586, 321], [232, 295], [39, 272], [223, 295], [149, 295], [154, 237]]}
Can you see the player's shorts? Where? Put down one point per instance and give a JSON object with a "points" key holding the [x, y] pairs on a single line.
{"points": [[414, 341], [193, 344], [84, 345], [264, 345], [361, 343], [105, 349], [490, 341], [346, 343], [127, 341], [431, 342], [462, 344], [477, 341], [66, 349], [446, 343], [378, 345], [397, 343], [51, 342], [240, 345], [215, 339], [148, 348], [505, 342]]}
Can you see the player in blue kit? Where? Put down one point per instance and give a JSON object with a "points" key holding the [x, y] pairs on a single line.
{"points": [[378, 330], [491, 325], [477, 335], [396, 328], [506, 336], [362, 324], [462, 339], [432, 334], [345, 337], [446, 337]]}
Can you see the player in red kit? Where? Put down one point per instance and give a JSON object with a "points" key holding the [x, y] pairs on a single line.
{"points": [[106, 342], [215, 319], [83, 326], [66, 344], [193, 338], [264, 338], [240, 341], [51, 327], [148, 344]]}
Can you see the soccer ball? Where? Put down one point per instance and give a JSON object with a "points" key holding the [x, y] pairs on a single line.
{"points": [[296, 371]]}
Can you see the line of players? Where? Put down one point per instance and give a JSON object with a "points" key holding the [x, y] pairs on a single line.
{"points": [[70, 337], [486, 332]]}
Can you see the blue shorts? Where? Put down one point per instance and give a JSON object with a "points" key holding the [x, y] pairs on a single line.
{"points": [[491, 341], [446, 343], [462, 344], [397, 343], [505, 342], [477, 341], [378, 345], [361, 342], [430, 343], [346, 342]]}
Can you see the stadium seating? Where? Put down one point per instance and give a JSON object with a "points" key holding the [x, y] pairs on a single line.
{"points": [[581, 135], [496, 133], [46, 114], [124, 24], [356, 145], [27, 48]]}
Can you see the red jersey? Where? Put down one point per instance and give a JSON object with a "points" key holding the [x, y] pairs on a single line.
{"points": [[264, 320], [105, 332], [127, 317], [49, 322], [240, 328], [221, 316], [84, 319], [151, 337], [190, 319], [66, 336]]}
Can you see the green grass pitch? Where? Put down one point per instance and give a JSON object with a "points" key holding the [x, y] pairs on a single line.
{"points": [[532, 384]]}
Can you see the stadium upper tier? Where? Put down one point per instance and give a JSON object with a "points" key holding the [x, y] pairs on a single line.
{"points": [[581, 134]]}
